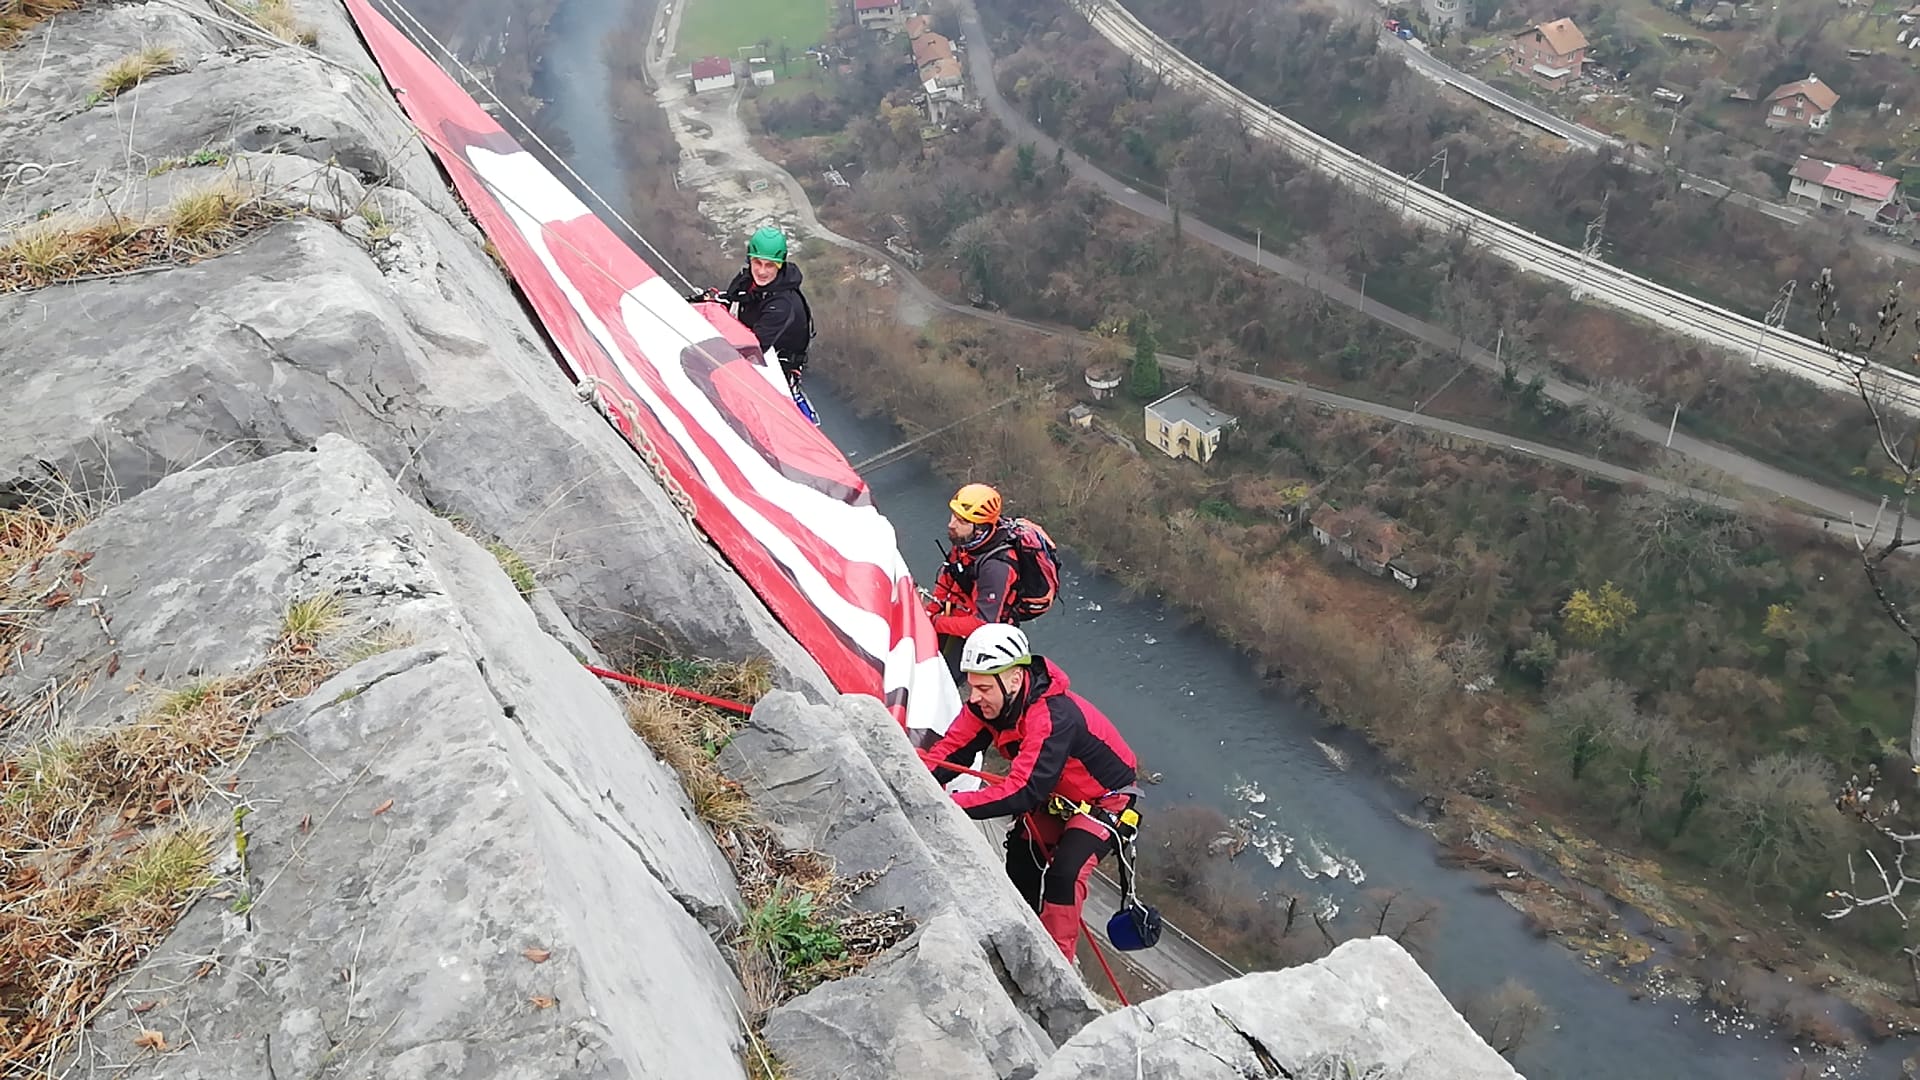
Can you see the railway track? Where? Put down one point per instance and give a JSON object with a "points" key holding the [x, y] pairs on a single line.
{"points": [[1588, 278]]}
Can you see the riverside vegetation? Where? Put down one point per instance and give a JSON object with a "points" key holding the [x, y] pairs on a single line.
{"points": [[1681, 680]]}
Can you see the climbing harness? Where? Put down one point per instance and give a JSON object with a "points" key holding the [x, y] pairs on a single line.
{"points": [[800, 398], [1137, 924]]}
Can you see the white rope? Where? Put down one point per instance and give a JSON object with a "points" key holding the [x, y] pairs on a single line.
{"points": [[239, 26], [410, 17]]}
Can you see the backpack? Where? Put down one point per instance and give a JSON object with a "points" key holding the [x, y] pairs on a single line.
{"points": [[1037, 566]]}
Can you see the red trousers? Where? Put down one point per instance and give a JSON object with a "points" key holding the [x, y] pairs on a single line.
{"points": [[1050, 858]]}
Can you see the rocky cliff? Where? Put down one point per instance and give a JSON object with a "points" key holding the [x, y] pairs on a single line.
{"points": [[324, 787]]}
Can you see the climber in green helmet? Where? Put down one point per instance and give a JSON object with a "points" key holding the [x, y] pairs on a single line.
{"points": [[769, 301]]}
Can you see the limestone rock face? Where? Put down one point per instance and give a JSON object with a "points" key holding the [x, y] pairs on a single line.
{"points": [[930, 1009], [844, 780], [401, 335], [1366, 1010], [523, 812]]}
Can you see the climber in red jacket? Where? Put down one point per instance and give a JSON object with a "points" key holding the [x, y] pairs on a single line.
{"points": [[977, 584], [1071, 788]]}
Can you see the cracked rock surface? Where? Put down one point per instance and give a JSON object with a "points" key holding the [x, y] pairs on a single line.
{"points": [[523, 815], [1364, 1012], [839, 779], [373, 313]]}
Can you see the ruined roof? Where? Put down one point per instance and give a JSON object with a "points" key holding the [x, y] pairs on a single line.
{"points": [[1822, 96], [1371, 533], [1562, 36], [916, 25], [945, 70]]}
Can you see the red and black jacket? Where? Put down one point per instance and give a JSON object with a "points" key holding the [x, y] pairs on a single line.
{"points": [[974, 590], [1059, 743]]}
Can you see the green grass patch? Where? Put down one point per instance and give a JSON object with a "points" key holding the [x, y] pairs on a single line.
{"points": [[789, 927], [805, 78], [721, 27]]}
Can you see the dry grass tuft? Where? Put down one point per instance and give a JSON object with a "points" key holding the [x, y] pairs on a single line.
{"points": [[95, 863], [761, 1062], [19, 16], [277, 17], [165, 869], [197, 225], [28, 536], [135, 68], [372, 643], [310, 620]]}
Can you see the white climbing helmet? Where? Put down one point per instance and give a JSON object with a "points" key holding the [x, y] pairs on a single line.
{"points": [[994, 648]]}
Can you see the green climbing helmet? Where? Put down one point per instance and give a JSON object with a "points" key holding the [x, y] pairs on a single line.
{"points": [[768, 243]]}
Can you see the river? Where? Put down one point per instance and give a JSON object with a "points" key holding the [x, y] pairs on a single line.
{"points": [[1196, 711]]}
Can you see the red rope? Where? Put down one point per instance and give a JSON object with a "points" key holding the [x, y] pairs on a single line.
{"points": [[676, 691], [938, 764], [735, 706], [1102, 957]]}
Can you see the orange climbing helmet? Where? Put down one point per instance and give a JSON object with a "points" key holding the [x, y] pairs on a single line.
{"points": [[977, 503]]}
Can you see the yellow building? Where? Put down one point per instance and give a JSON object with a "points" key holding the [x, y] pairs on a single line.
{"points": [[1184, 424]]}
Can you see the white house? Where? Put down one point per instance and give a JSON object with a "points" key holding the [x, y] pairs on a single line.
{"points": [[878, 14], [1184, 424], [1447, 12], [712, 73]]}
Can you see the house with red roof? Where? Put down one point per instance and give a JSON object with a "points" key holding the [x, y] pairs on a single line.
{"points": [[712, 73], [1550, 53], [1856, 191], [1804, 103]]}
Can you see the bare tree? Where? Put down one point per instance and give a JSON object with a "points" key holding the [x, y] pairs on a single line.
{"points": [[1506, 1015], [1408, 920], [1898, 430], [1678, 530], [1608, 407], [1895, 881], [1468, 658]]}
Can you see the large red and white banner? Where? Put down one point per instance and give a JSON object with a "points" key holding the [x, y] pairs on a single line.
{"points": [[776, 497]]}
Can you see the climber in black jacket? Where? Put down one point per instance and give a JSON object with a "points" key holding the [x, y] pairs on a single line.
{"points": [[771, 304]]}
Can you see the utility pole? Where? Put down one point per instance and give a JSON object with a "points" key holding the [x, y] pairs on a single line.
{"points": [[1675, 422], [1776, 316], [1590, 247], [1256, 247], [1439, 159]]}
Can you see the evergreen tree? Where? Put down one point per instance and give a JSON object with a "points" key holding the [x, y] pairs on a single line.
{"points": [[1144, 380]]}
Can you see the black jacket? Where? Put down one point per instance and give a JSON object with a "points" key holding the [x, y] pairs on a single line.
{"points": [[777, 314]]}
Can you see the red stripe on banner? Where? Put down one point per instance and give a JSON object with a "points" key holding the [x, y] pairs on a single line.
{"points": [[777, 498]]}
